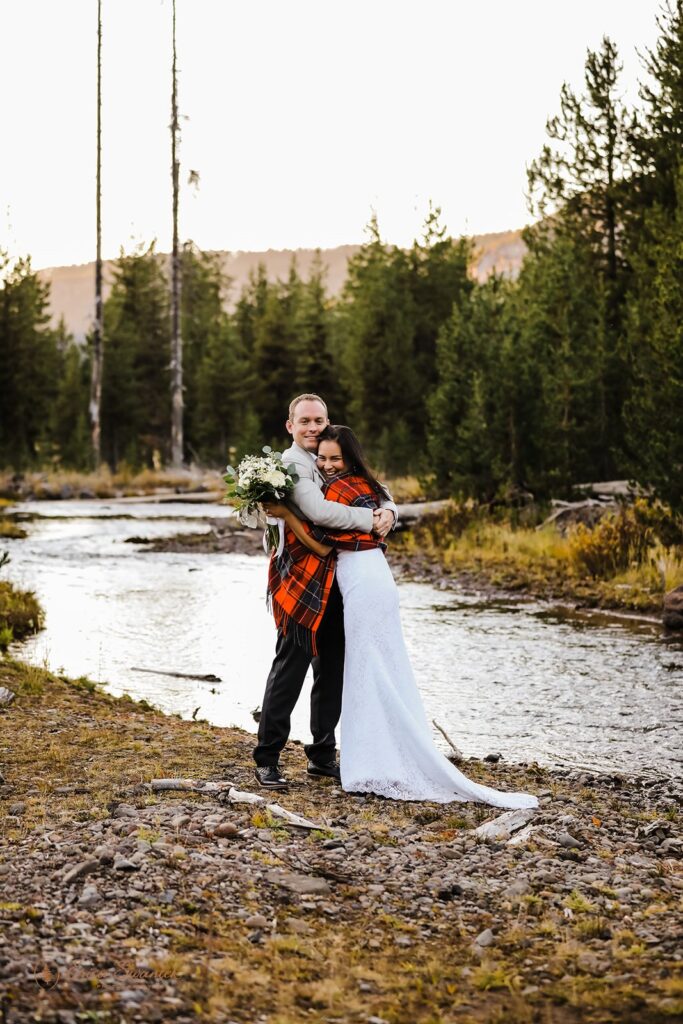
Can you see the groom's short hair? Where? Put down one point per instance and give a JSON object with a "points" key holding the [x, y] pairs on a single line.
{"points": [[305, 398]]}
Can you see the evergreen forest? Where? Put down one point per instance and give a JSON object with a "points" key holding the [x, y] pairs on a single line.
{"points": [[572, 372]]}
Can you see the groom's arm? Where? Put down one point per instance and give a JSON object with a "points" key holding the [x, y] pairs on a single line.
{"points": [[308, 499]]}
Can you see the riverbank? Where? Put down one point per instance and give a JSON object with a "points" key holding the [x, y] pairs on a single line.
{"points": [[125, 903], [63, 485], [625, 561], [496, 559]]}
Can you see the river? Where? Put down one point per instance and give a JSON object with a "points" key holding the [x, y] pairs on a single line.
{"points": [[518, 678]]}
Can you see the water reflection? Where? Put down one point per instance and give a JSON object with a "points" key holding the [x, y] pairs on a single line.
{"points": [[531, 682]]}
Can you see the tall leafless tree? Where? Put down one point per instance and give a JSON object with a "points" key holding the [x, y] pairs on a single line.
{"points": [[97, 342], [176, 340]]}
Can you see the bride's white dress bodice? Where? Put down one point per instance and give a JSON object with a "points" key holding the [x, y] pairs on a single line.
{"points": [[386, 741]]}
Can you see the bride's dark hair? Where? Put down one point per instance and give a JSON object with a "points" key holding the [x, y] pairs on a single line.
{"points": [[353, 454]]}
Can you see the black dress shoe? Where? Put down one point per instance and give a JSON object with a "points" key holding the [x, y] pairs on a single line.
{"points": [[270, 776], [329, 770]]}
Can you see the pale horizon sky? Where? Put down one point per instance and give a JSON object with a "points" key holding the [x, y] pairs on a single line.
{"points": [[303, 116]]}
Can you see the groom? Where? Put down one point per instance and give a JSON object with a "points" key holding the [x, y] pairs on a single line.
{"points": [[307, 418]]}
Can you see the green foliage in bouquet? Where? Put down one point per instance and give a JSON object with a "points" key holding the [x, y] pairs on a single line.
{"points": [[259, 479]]}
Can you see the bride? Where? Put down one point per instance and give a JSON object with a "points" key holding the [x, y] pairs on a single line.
{"points": [[386, 742]]}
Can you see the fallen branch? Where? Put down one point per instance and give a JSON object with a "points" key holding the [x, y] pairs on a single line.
{"points": [[235, 796], [208, 678], [457, 753]]}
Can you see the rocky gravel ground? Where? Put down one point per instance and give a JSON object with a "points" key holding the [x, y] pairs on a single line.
{"points": [[124, 900]]}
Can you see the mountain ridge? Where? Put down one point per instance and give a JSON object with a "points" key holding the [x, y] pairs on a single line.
{"points": [[72, 287]]}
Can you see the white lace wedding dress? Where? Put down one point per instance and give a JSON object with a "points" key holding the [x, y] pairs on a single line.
{"points": [[386, 742]]}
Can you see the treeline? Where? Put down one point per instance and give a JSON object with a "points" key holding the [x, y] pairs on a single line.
{"points": [[571, 373]]}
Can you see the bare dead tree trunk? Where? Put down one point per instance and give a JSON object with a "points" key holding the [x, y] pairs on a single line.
{"points": [[97, 342], [176, 340]]}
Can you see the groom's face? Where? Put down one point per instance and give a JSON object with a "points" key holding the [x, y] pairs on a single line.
{"points": [[308, 420]]}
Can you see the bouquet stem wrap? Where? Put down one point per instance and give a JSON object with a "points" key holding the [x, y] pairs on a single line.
{"points": [[274, 536]]}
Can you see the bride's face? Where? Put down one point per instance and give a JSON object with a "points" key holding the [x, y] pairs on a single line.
{"points": [[330, 458]]}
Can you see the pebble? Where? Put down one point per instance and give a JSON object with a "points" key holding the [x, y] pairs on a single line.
{"points": [[124, 864], [568, 841], [125, 811], [294, 924], [90, 897], [485, 938], [226, 830], [256, 921], [86, 867]]}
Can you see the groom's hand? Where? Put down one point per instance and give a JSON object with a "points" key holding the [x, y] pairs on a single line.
{"points": [[382, 521]]}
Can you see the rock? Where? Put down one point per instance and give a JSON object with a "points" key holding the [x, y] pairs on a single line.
{"points": [[256, 921], [519, 887], [225, 830], [493, 758], [505, 824], [301, 884], [121, 863], [590, 963], [672, 615], [485, 938], [86, 867], [6, 696], [90, 897], [568, 841], [179, 820], [293, 924], [659, 829], [131, 995], [125, 811]]}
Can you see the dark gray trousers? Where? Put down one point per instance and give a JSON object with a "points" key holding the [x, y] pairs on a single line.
{"points": [[284, 683]]}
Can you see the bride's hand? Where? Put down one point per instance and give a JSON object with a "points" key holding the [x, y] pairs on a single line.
{"points": [[275, 509]]}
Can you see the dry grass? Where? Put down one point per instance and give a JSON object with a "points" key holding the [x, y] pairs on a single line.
{"points": [[20, 613], [545, 562], [105, 484]]}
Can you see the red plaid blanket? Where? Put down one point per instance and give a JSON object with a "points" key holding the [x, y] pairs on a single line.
{"points": [[299, 581]]}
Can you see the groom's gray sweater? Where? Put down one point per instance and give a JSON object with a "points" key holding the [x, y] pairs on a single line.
{"points": [[308, 501]]}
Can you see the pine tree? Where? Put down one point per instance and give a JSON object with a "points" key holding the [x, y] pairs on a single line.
{"points": [[69, 434], [316, 363], [582, 179], [655, 330], [135, 407], [377, 326], [29, 365], [658, 131]]}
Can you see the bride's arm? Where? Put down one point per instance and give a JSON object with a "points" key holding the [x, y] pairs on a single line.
{"points": [[297, 527]]}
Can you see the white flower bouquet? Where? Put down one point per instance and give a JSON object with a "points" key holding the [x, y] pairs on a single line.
{"points": [[260, 478]]}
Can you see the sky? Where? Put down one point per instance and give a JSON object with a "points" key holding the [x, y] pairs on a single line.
{"points": [[302, 117]]}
